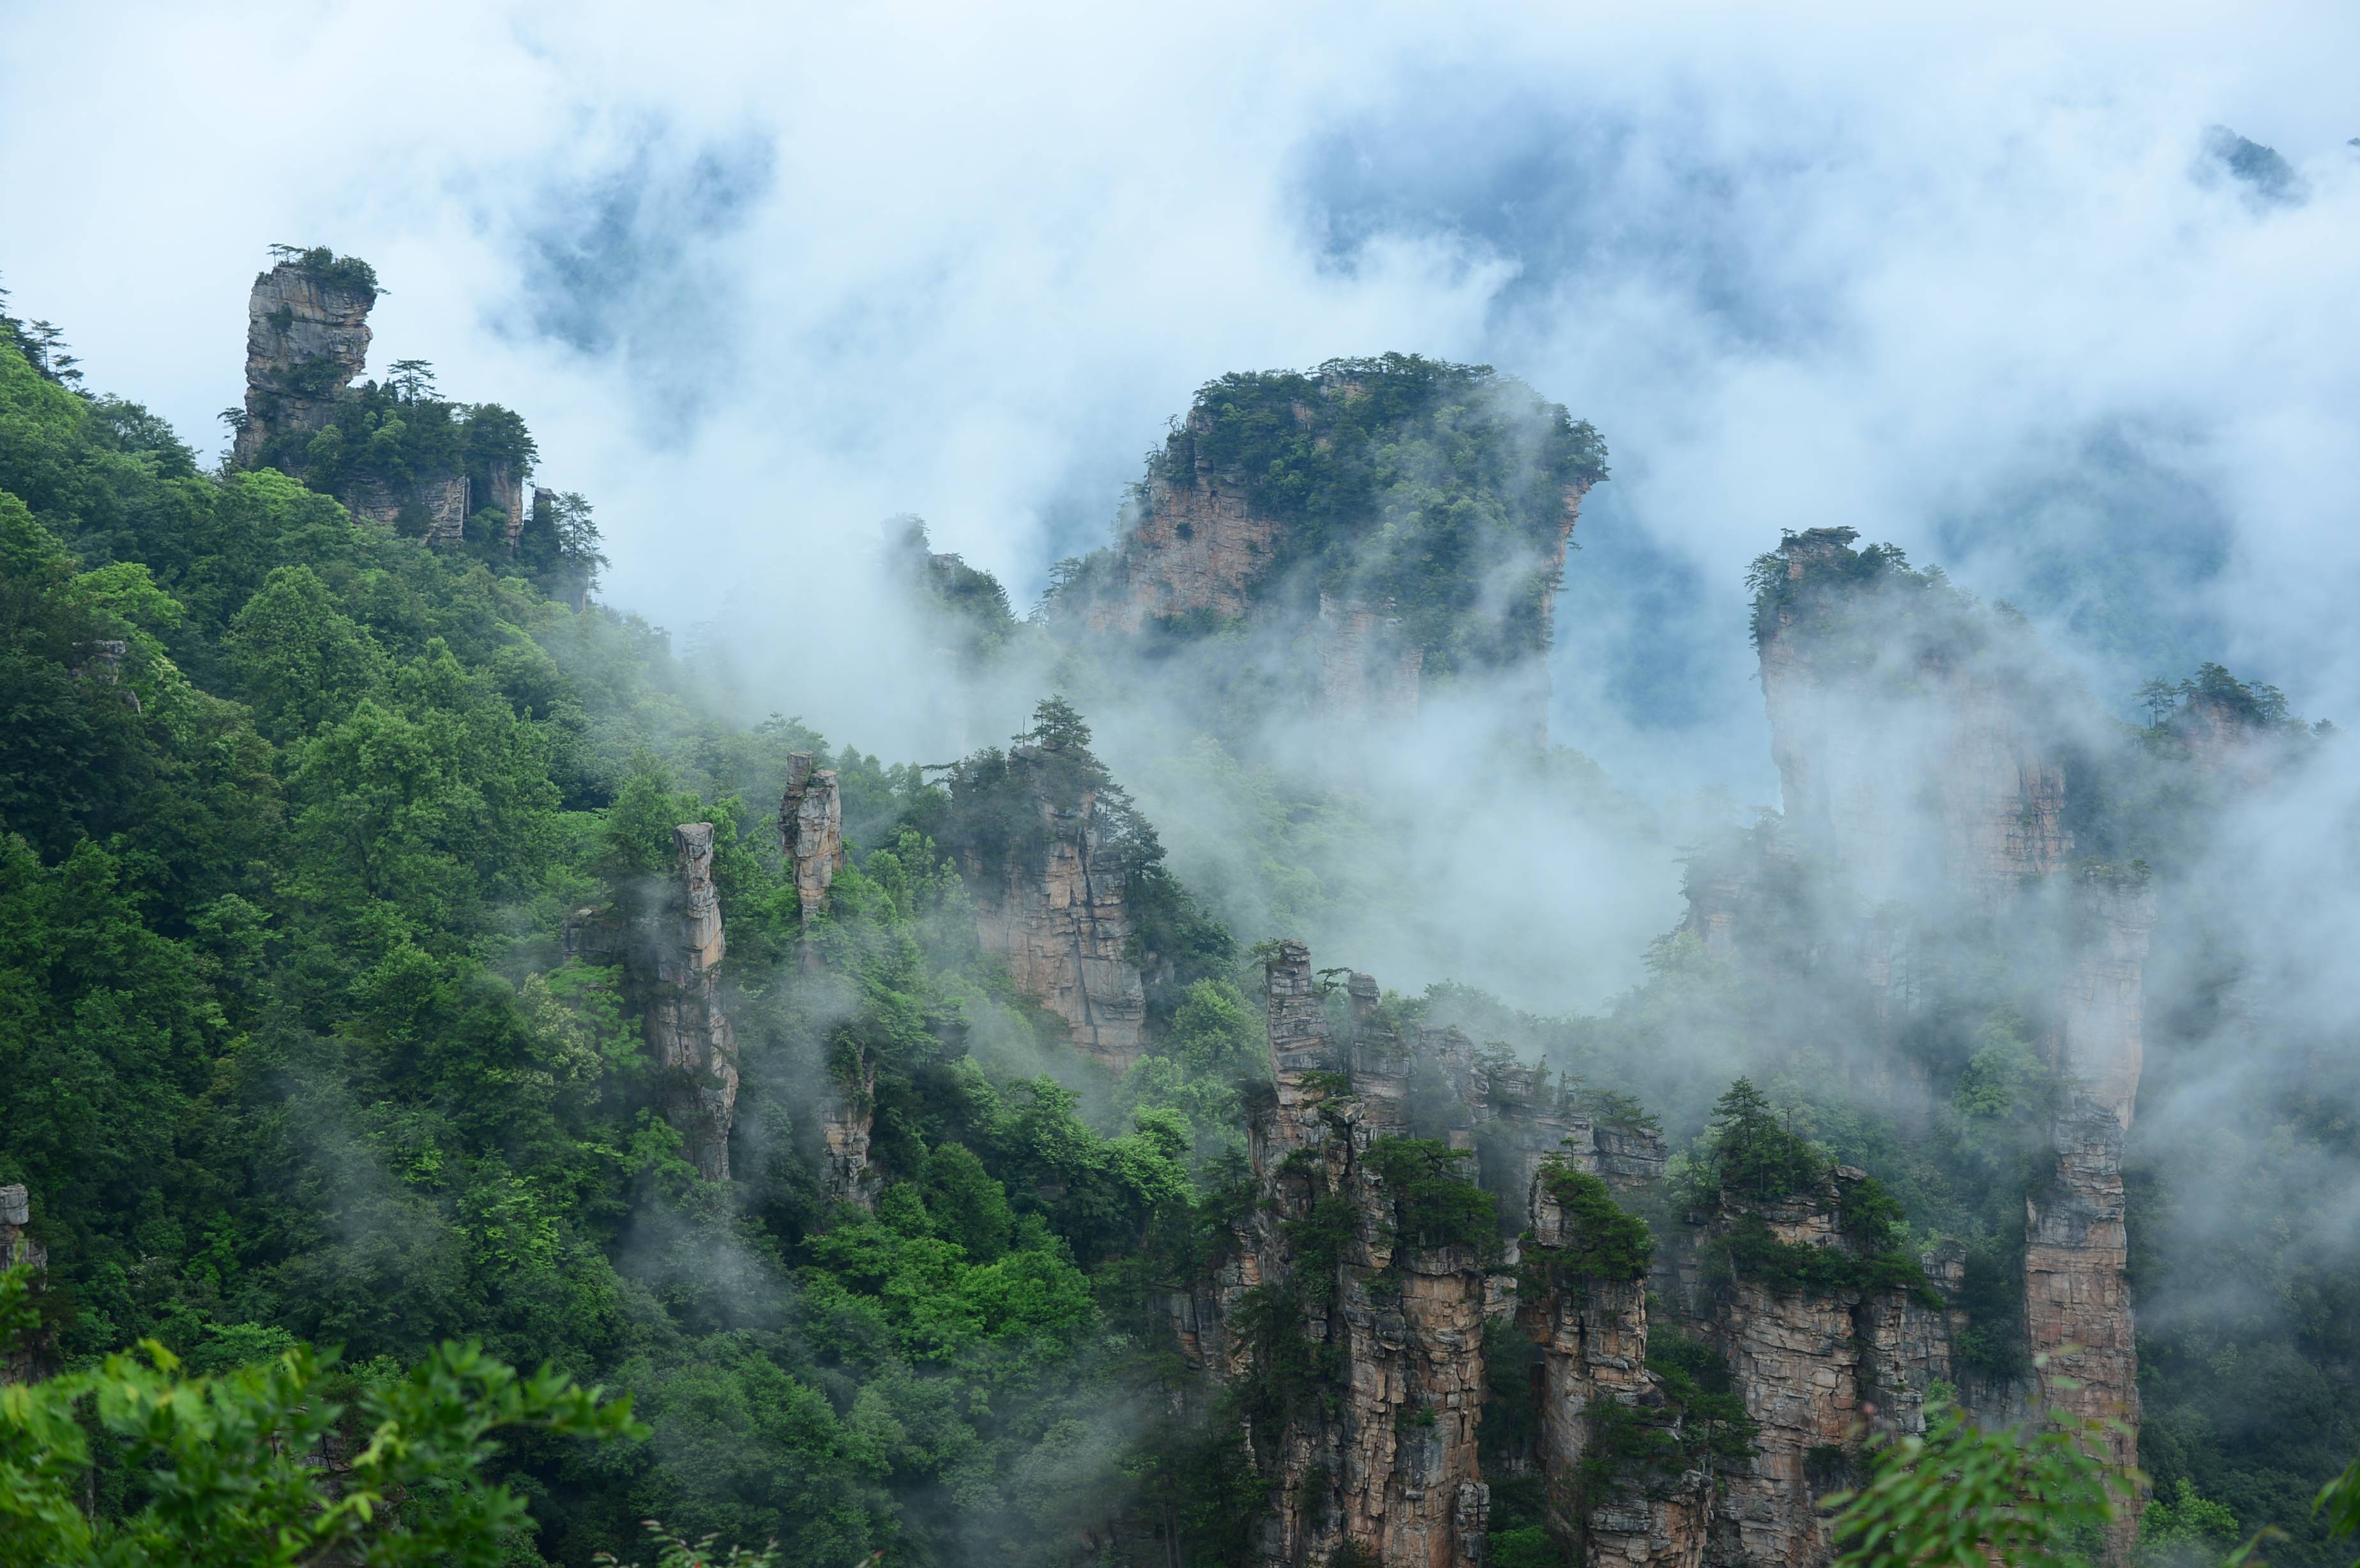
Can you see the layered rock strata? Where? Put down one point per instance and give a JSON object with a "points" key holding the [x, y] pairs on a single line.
{"points": [[1319, 1272], [1817, 1370], [1387, 1468], [307, 336], [1062, 924], [688, 1030], [1592, 1334], [1193, 548], [811, 831]]}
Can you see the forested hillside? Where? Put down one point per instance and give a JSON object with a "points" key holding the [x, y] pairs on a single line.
{"points": [[949, 1182]]}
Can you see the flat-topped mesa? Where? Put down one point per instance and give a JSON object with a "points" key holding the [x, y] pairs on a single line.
{"points": [[1290, 503], [307, 336], [689, 1033], [811, 831]]}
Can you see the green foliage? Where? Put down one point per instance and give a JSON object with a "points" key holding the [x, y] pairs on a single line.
{"points": [[1404, 481], [2180, 1526], [1602, 1242], [348, 273], [1434, 1203], [226, 1470], [2338, 1503], [1751, 1156], [1963, 1496]]}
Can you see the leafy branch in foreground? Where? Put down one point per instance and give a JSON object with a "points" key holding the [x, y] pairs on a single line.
{"points": [[236, 1471], [1963, 1498]]}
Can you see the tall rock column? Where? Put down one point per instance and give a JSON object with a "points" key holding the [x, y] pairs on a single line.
{"points": [[1064, 925], [811, 831], [1592, 1333], [2076, 1282], [1321, 1282], [688, 1032], [307, 336]]}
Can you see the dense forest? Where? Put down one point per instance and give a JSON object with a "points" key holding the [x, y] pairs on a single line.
{"points": [[310, 823]]}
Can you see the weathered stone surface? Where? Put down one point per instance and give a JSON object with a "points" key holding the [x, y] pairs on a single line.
{"points": [[442, 496], [811, 831], [1927, 781], [1197, 547], [305, 341], [845, 1126], [688, 1031], [1593, 1339], [1064, 927], [1390, 1468]]}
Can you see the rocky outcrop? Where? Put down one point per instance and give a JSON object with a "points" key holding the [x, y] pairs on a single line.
{"points": [[1819, 1369], [1592, 1333], [1918, 741], [1062, 922], [811, 831], [442, 497], [846, 1125], [28, 1357], [1385, 1462], [688, 1031], [307, 336], [1195, 547]]}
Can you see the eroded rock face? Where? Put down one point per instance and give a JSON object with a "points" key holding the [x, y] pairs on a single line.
{"points": [[1922, 779], [306, 339], [1064, 928], [688, 1031], [845, 1127], [1197, 548], [1593, 1339], [1390, 1467], [811, 831]]}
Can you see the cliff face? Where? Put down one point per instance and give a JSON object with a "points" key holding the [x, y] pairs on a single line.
{"points": [[307, 336], [1196, 547], [1592, 1333], [1064, 928], [1919, 746], [689, 1034], [1331, 1268], [811, 832], [1318, 1273]]}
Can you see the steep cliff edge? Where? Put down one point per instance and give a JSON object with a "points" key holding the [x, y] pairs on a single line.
{"points": [[1346, 1308], [307, 338], [1925, 746], [688, 1031], [1376, 525], [395, 453]]}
